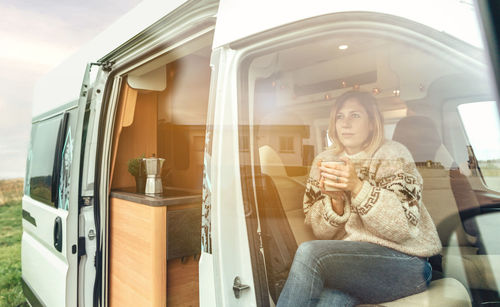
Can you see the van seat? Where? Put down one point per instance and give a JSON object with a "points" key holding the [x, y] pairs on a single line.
{"points": [[477, 271], [291, 193], [439, 201], [460, 258], [442, 292], [301, 232], [444, 195]]}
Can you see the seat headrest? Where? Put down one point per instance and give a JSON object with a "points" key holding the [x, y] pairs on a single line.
{"points": [[270, 162], [420, 135]]}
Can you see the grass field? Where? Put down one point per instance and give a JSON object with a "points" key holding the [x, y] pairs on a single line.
{"points": [[10, 243], [10, 189]]}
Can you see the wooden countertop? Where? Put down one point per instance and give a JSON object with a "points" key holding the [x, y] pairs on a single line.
{"points": [[169, 197]]}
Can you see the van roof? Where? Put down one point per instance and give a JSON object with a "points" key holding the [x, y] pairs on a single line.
{"points": [[62, 85], [451, 16]]}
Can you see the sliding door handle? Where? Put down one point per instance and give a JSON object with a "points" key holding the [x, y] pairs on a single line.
{"points": [[58, 234]]}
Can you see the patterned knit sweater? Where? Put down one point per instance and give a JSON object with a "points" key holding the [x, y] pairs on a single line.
{"points": [[387, 211]]}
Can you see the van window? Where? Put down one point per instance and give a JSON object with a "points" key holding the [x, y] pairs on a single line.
{"points": [[484, 138], [39, 173], [286, 144], [287, 96]]}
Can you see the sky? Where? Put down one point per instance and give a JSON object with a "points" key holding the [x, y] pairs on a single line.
{"points": [[486, 113], [35, 36]]}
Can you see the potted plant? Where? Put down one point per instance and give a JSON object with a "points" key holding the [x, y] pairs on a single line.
{"points": [[136, 168]]}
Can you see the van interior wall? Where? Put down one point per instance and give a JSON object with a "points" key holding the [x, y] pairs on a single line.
{"points": [[170, 124], [182, 112], [140, 138], [288, 133]]}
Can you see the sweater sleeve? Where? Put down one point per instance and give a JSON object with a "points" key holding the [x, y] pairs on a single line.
{"points": [[319, 214], [389, 204]]}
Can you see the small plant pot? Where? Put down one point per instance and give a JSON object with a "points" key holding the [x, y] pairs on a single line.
{"points": [[140, 184]]}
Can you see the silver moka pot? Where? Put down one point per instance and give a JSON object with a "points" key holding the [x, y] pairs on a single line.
{"points": [[153, 172]]}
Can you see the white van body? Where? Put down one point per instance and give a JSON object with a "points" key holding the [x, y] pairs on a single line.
{"points": [[68, 256]]}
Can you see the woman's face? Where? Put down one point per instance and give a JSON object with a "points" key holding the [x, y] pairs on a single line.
{"points": [[353, 126]]}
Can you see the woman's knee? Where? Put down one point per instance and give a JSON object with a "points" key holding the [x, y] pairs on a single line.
{"points": [[307, 248], [309, 251], [317, 248]]}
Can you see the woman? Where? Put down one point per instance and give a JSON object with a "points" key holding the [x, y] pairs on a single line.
{"points": [[376, 233]]}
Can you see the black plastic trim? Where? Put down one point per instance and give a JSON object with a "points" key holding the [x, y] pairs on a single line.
{"points": [[81, 247], [31, 296], [56, 169], [261, 289], [58, 238], [489, 11], [27, 216]]}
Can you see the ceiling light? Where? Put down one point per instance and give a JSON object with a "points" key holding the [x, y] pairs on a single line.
{"points": [[343, 47]]}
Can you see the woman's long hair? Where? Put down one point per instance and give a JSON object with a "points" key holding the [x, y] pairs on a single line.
{"points": [[369, 103]]}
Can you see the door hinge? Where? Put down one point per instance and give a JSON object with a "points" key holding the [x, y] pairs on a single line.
{"points": [[86, 201], [106, 66], [91, 234], [238, 287]]}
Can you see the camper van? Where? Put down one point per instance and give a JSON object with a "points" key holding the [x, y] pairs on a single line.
{"points": [[169, 156]]}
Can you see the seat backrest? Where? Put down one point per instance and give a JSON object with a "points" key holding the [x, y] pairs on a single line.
{"points": [[277, 238], [438, 198], [290, 191], [420, 135], [270, 162]]}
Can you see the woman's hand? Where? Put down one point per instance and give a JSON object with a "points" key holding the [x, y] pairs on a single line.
{"points": [[341, 176], [337, 197]]}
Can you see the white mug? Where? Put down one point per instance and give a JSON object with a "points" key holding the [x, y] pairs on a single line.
{"points": [[329, 188]]}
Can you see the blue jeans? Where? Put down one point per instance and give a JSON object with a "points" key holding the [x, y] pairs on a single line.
{"points": [[344, 273]]}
